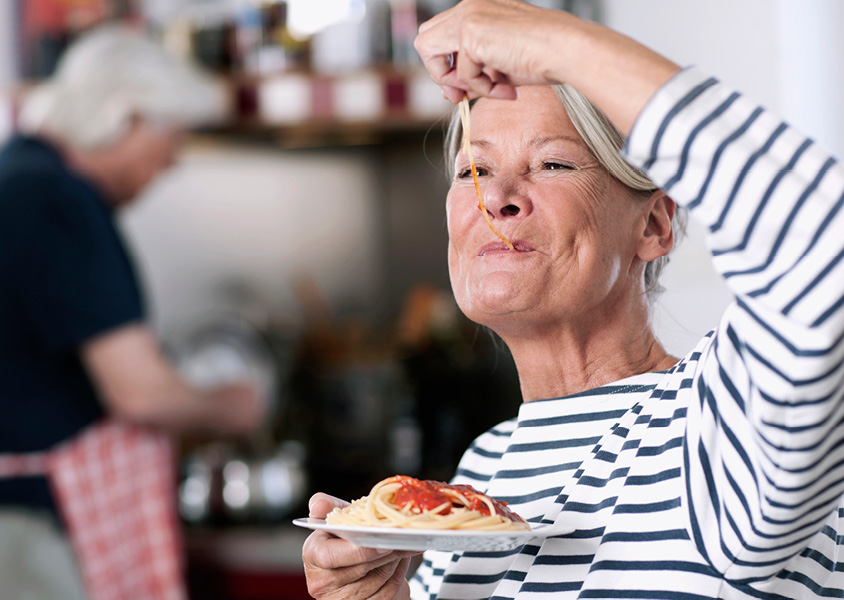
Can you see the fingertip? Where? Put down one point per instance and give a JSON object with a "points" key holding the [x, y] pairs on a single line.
{"points": [[502, 91], [453, 95], [319, 506]]}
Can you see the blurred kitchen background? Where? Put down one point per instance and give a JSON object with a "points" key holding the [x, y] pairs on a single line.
{"points": [[302, 239]]}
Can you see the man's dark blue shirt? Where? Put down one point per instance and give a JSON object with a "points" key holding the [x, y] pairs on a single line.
{"points": [[65, 278]]}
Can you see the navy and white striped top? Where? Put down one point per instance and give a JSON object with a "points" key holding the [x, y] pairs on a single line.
{"points": [[723, 477]]}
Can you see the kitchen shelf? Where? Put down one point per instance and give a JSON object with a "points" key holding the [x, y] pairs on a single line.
{"points": [[318, 132], [330, 132], [303, 109]]}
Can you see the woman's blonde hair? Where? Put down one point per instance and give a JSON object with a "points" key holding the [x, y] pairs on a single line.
{"points": [[605, 142]]}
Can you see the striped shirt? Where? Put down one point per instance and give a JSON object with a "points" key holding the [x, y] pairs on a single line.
{"points": [[723, 477]]}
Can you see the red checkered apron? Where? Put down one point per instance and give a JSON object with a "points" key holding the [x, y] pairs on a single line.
{"points": [[115, 487]]}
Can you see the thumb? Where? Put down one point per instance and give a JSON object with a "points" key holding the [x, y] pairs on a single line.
{"points": [[321, 504]]}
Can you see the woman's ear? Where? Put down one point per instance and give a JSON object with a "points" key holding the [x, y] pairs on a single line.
{"points": [[658, 236]]}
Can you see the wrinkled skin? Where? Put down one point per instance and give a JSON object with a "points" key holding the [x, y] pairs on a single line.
{"points": [[336, 569]]}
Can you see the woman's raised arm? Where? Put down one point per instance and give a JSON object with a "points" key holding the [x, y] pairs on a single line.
{"points": [[487, 47]]}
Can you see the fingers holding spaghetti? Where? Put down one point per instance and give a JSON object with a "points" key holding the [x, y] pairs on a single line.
{"points": [[498, 44], [481, 81], [439, 54]]}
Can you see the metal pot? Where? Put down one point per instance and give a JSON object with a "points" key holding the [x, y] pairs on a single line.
{"points": [[260, 479], [222, 486]]}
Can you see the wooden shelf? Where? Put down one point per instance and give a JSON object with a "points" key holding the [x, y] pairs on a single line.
{"points": [[318, 132], [331, 132]]}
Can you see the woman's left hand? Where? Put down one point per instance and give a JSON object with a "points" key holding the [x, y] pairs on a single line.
{"points": [[336, 569]]}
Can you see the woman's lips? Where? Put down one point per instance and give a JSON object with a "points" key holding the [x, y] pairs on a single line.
{"points": [[495, 247]]}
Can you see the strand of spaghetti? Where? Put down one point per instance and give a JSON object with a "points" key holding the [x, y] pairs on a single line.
{"points": [[391, 516], [467, 148], [489, 503], [455, 520], [458, 519], [371, 505], [379, 499], [493, 521], [463, 500], [457, 496]]}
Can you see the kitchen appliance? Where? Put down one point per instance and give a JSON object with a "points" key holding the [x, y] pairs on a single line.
{"points": [[257, 479]]}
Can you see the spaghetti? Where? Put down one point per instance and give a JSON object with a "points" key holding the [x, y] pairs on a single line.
{"points": [[467, 148], [402, 501]]}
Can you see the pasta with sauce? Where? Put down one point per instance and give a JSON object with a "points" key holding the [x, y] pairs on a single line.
{"points": [[402, 501]]}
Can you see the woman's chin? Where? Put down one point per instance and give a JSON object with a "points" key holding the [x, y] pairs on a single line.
{"points": [[496, 296]]}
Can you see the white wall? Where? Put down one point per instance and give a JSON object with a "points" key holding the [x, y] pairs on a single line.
{"points": [[8, 69], [737, 40], [786, 55], [260, 218], [812, 69]]}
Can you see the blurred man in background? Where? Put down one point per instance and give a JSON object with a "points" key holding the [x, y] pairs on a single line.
{"points": [[86, 479]]}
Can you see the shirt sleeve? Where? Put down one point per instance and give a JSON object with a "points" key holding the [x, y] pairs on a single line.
{"points": [[764, 453], [72, 275]]}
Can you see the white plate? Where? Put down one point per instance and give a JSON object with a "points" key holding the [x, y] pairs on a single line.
{"points": [[452, 540]]}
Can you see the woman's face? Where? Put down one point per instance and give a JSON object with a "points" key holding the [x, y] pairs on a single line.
{"points": [[575, 229]]}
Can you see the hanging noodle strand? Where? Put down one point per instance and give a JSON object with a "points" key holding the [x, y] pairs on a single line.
{"points": [[467, 148]]}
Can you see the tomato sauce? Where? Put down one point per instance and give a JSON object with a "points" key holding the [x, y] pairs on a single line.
{"points": [[423, 495]]}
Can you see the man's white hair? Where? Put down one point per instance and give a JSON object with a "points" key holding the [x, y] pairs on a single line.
{"points": [[111, 75]]}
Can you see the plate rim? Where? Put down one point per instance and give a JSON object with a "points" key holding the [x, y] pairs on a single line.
{"points": [[540, 530]]}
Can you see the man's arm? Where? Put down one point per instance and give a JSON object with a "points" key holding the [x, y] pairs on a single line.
{"points": [[137, 384]]}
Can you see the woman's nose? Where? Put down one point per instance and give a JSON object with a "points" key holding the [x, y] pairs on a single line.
{"points": [[504, 197]]}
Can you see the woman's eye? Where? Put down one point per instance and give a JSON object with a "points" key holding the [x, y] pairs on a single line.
{"points": [[555, 166], [467, 172]]}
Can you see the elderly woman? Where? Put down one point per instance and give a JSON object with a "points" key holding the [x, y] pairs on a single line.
{"points": [[86, 499], [715, 475]]}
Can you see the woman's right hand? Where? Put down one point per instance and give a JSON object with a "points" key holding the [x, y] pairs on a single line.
{"points": [[489, 47], [337, 569]]}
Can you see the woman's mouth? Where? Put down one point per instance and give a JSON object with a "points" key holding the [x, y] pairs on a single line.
{"points": [[496, 247]]}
